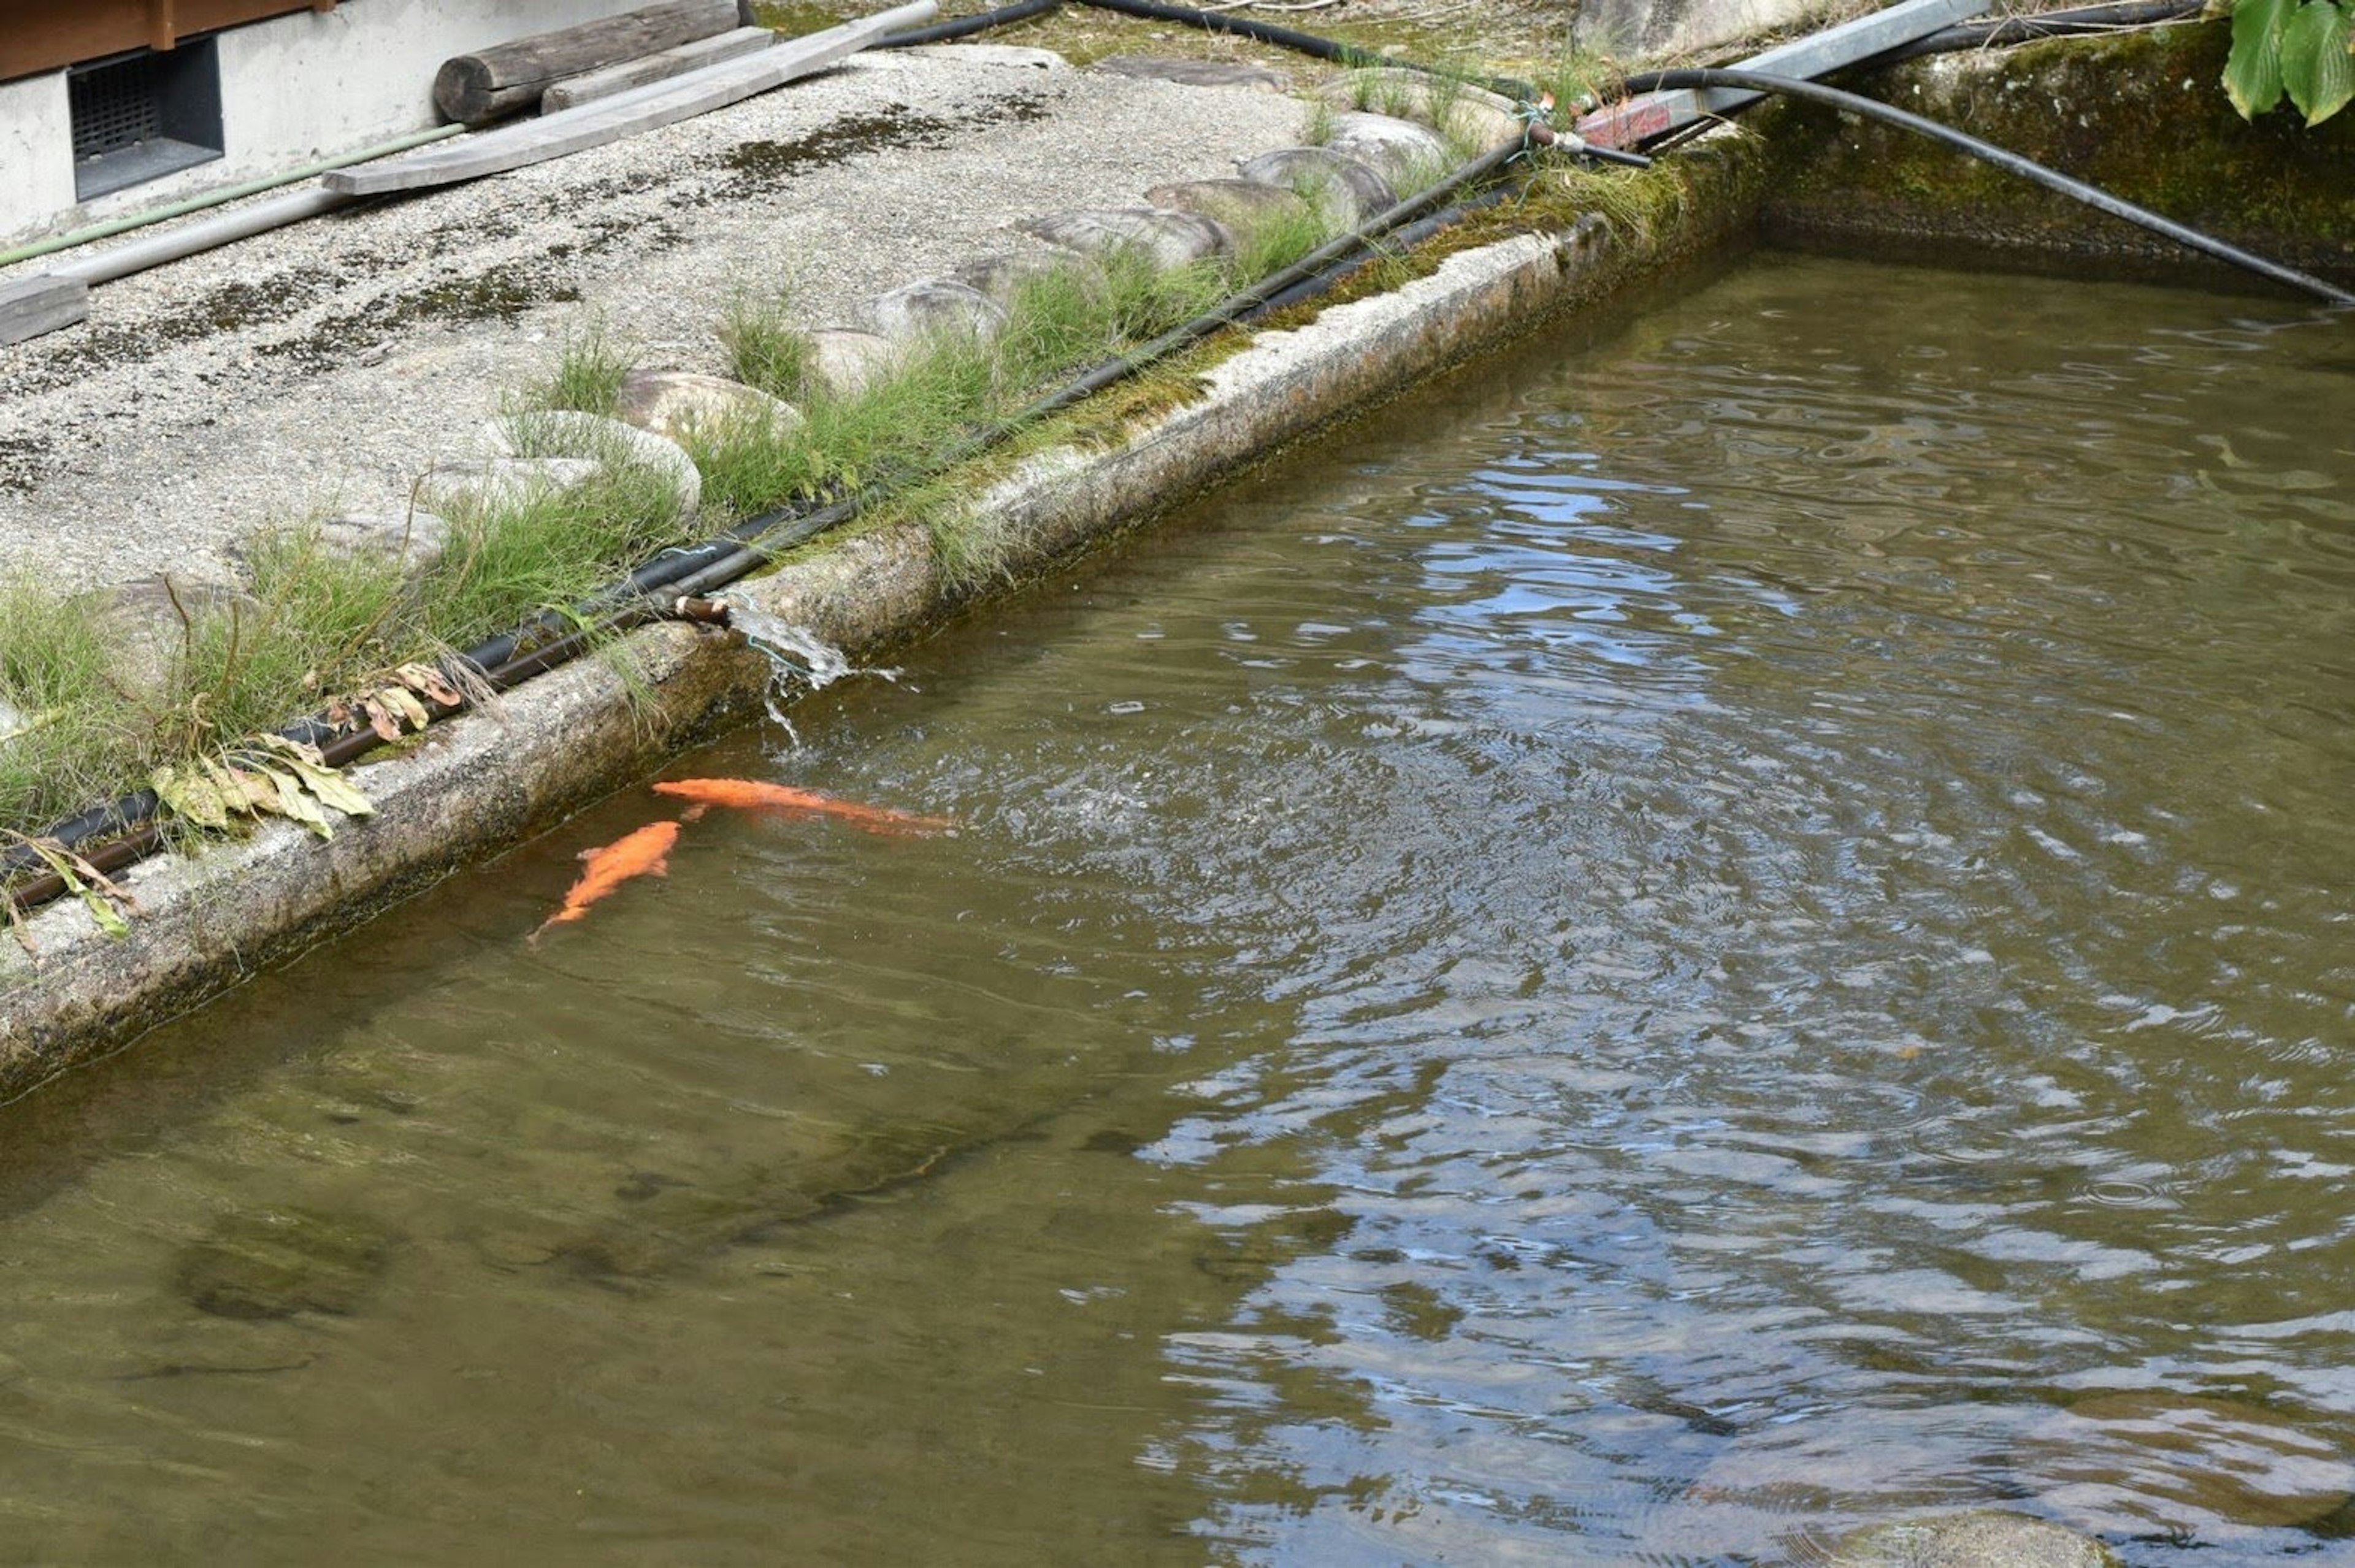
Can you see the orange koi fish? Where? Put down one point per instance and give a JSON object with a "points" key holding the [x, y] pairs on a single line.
{"points": [[751, 795], [633, 855]]}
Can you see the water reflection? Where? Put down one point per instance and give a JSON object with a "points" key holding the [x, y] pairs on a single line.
{"points": [[1691, 943]]}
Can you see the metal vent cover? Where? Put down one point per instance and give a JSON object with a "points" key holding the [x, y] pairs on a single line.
{"points": [[116, 106], [141, 116]]}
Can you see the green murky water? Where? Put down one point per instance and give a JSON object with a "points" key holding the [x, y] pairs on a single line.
{"points": [[1678, 944]]}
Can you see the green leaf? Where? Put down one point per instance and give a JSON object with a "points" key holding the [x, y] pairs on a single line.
{"points": [[2252, 71], [2316, 70]]}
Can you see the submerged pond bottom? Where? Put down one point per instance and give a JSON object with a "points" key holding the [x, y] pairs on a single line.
{"points": [[1690, 941]]}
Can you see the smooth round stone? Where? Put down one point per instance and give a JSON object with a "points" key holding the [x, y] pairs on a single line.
{"points": [[1308, 171], [494, 482], [936, 307], [1488, 119], [1169, 239], [415, 539], [1001, 277], [1237, 205], [1980, 1538], [674, 404], [1397, 147], [846, 361], [1196, 72], [570, 433], [146, 623]]}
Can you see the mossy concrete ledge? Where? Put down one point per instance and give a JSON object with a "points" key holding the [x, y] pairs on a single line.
{"points": [[476, 784], [2138, 113]]}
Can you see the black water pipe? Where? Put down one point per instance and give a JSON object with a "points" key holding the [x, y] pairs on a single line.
{"points": [[503, 662], [2027, 168], [1113, 371], [1298, 42], [2009, 30], [965, 26]]}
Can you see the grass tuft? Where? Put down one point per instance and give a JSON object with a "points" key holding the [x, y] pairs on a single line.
{"points": [[766, 349], [587, 377]]}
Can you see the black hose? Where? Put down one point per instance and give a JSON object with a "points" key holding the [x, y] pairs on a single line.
{"points": [[1298, 41], [2045, 24], [506, 660], [2027, 168], [962, 27], [1233, 308]]}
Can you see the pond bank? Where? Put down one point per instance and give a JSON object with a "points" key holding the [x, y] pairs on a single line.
{"points": [[471, 786], [2138, 113]]}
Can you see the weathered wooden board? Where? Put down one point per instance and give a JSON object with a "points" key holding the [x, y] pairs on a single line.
{"points": [[625, 113], [590, 86], [508, 78], [42, 303], [1859, 39]]}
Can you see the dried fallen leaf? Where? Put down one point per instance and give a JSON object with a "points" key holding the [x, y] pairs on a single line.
{"points": [[380, 718], [192, 795], [295, 803], [332, 787], [106, 901], [429, 683], [400, 701]]}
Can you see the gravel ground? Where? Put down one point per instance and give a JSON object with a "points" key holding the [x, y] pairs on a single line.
{"points": [[326, 365]]}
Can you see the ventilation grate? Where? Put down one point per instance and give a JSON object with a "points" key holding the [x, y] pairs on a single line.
{"points": [[116, 106], [142, 116]]}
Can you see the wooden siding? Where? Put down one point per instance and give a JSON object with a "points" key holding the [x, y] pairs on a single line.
{"points": [[42, 35]]}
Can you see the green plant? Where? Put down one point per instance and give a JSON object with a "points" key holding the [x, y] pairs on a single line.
{"points": [[509, 558], [2298, 48], [765, 347], [64, 742], [587, 376]]}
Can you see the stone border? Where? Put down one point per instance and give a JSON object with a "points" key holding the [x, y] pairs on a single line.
{"points": [[473, 787]]}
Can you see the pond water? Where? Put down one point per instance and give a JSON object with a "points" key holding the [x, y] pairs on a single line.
{"points": [[1690, 939]]}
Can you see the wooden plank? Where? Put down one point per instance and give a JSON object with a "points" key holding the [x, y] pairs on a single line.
{"points": [[1859, 39], [590, 86], [43, 34], [42, 303], [509, 78], [625, 113]]}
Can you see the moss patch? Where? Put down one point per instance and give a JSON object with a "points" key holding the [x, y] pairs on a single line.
{"points": [[2138, 114]]}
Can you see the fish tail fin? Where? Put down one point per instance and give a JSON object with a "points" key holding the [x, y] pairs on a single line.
{"points": [[695, 813]]}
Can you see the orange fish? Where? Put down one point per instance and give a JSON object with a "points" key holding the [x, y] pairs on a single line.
{"points": [[633, 855], [751, 795]]}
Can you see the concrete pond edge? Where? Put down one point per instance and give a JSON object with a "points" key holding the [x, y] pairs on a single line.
{"points": [[473, 787]]}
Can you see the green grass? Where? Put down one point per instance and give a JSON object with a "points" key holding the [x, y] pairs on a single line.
{"points": [[766, 348], [73, 744], [319, 624], [1578, 80], [510, 559], [587, 376]]}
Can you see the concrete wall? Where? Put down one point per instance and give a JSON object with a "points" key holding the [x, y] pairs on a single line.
{"points": [[294, 89]]}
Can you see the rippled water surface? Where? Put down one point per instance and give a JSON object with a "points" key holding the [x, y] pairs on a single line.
{"points": [[1679, 944]]}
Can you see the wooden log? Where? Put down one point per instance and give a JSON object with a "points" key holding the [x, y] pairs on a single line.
{"points": [[625, 113], [509, 77], [42, 303], [575, 91]]}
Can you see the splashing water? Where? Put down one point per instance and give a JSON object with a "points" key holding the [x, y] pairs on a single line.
{"points": [[795, 655]]}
